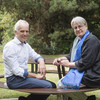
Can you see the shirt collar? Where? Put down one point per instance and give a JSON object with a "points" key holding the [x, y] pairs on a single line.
{"points": [[17, 41]]}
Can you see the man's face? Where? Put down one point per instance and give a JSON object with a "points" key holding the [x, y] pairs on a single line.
{"points": [[79, 29], [22, 33]]}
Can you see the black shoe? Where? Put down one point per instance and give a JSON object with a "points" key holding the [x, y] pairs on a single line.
{"points": [[22, 98], [69, 98], [92, 97]]}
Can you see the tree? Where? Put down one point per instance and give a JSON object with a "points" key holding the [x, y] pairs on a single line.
{"points": [[6, 28], [50, 30]]}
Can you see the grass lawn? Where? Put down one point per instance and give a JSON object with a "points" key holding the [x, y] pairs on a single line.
{"points": [[6, 93]]}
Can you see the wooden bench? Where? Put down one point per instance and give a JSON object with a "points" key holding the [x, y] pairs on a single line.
{"points": [[60, 69], [61, 93], [1, 76], [34, 67]]}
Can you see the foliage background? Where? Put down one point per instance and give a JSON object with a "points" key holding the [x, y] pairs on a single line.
{"points": [[50, 29]]}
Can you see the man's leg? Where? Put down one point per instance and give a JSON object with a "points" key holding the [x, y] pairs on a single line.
{"points": [[19, 83], [16, 82]]}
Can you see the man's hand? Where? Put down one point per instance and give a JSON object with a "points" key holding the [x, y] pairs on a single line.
{"points": [[57, 61], [38, 76], [42, 67], [65, 63]]}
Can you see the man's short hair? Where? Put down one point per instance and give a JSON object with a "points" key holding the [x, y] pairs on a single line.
{"points": [[19, 22]]}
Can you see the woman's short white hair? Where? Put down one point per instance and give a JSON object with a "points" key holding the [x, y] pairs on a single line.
{"points": [[19, 22], [79, 20]]}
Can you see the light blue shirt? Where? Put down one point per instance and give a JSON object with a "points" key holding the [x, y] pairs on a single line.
{"points": [[16, 56]]}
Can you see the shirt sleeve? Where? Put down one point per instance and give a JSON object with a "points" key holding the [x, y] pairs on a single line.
{"points": [[11, 62], [90, 51], [25, 73]]}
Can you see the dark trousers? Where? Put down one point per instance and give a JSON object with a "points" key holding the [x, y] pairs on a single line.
{"points": [[16, 82]]}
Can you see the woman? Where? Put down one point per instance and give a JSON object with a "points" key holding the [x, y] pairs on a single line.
{"points": [[84, 55]]}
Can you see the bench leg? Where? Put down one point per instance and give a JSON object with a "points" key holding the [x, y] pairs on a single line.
{"points": [[76, 96], [59, 97], [65, 98]]}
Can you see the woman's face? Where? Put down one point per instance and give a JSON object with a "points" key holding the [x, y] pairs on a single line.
{"points": [[79, 29]]}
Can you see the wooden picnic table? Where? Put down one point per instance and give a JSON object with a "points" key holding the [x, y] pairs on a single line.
{"points": [[62, 94]]}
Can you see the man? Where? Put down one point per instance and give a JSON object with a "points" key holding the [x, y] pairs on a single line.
{"points": [[15, 55]]}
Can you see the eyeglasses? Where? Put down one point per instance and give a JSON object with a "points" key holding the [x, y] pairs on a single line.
{"points": [[78, 27], [22, 31]]}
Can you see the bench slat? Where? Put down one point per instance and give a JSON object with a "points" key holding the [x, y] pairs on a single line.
{"points": [[1, 76]]}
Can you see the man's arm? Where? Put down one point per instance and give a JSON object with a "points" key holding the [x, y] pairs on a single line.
{"points": [[42, 67], [42, 70]]}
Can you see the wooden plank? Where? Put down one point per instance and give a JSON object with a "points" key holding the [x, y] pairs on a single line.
{"points": [[10, 99], [47, 61], [49, 90], [1, 61], [53, 90], [1, 76], [54, 71], [2, 85]]}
